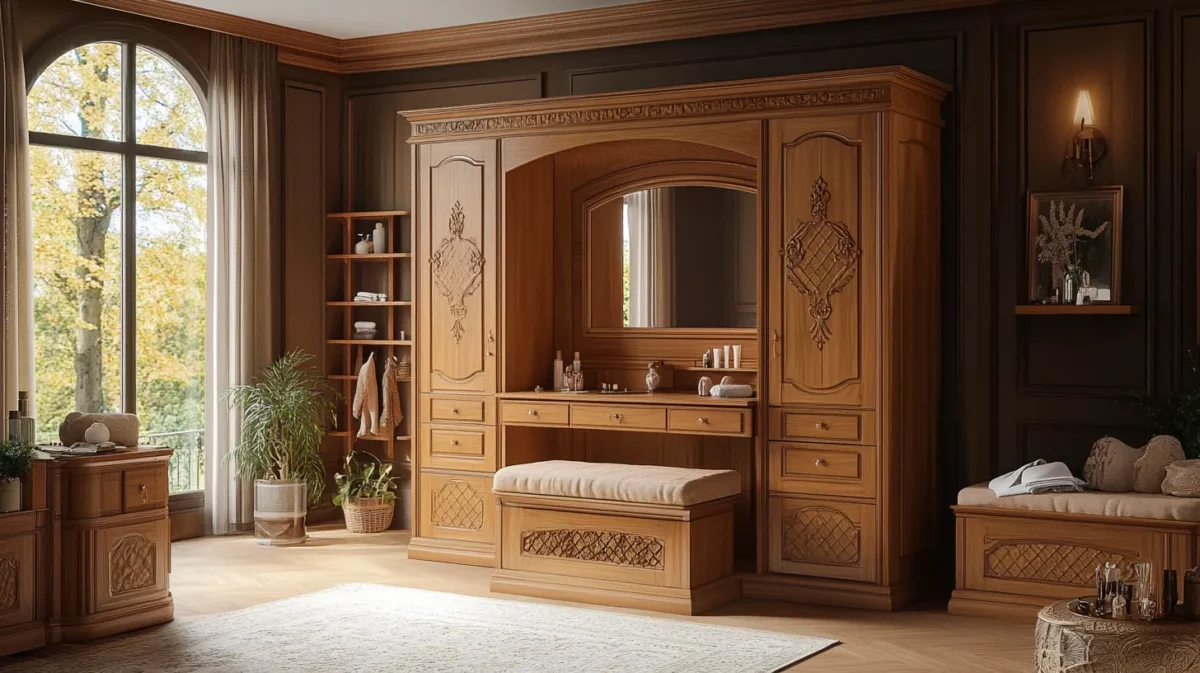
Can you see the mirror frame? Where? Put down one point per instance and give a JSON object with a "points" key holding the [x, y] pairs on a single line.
{"points": [[687, 173]]}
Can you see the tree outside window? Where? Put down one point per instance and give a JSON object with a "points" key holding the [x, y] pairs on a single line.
{"points": [[119, 180]]}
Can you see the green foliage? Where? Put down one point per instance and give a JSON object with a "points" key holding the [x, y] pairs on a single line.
{"points": [[15, 459], [1179, 415], [365, 479], [283, 422]]}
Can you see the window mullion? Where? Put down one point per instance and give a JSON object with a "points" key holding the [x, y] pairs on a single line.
{"points": [[129, 229]]}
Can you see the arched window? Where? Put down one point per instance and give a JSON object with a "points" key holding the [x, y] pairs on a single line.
{"points": [[119, 186]]}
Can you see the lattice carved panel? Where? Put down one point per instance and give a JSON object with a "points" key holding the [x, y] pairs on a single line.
{"points": [[10, 597], [820, 257], [457, 505], [457, 269], [601, 546], [1043, 561], [821, 535], [131, 564]]}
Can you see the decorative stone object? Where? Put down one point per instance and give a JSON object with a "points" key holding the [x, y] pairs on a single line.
{"points": [[1183, 479], [704, 386], [1151, 469], [97, 433], [726, 380]]}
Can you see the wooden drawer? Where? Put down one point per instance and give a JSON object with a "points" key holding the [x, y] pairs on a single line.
{"points": [[819, 425], [457, 507], [709, 421], [627, 417], [457, 410], [823, 469], [535, 413], [822, 538], [145, 488], [458, 448]]}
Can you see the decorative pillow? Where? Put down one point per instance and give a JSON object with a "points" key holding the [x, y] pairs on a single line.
{"points": [[123, 429], [1110, 466], [1151, 468], [1183, 479]]}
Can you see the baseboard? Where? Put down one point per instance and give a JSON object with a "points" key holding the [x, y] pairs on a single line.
{"points": [[112, 622], [990, 605], [452, 551], [22, 638], [832, 593], [618, 594]]}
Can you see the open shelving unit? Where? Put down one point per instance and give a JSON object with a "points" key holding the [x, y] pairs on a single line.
{"points": [[391, 273], [1074, 309]]}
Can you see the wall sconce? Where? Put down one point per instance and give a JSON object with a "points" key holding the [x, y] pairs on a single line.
{"points": [[1088, 146]]}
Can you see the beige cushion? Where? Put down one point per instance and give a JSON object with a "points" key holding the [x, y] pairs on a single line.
{"points": [[1183, 479], [1136, 505], [648, 484], [1151, 468], [123, 429], [1110, 466]]}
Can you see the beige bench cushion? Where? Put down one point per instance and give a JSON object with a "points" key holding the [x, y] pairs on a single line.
{"points": [[648, 484], [1136, 505]]}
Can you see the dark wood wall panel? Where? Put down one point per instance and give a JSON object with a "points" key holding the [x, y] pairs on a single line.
{"points": [[304, 208]]}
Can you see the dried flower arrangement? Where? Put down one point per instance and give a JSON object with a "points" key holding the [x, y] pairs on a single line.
{"points": [[1058, 239]]}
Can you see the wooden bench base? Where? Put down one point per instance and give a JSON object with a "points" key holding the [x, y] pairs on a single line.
{"points": [[1011, 563], [652, 557]]}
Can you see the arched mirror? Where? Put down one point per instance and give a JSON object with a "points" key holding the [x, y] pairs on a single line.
{"points": [[673, 256]]}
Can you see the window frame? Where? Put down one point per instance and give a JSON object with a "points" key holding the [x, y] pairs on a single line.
{"points": [[129, 36]]}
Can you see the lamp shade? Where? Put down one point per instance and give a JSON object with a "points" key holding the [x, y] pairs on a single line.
{"points": [[1084, 114]]}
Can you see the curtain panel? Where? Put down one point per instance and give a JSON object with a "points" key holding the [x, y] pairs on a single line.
{"points": [[16, 362], [243, 85]]}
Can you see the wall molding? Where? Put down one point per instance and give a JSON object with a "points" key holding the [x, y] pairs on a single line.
{"points": [[598, 28]]}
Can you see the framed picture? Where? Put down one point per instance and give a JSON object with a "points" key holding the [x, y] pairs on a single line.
{"points": [[1074, 246]]}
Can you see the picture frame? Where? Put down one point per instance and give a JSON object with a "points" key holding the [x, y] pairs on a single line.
{"points": [[1077, 233]]}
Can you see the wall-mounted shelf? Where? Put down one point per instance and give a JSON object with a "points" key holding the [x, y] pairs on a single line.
{"points": [[735, 370], [1073, 309], [371, 257], [368, 303]]}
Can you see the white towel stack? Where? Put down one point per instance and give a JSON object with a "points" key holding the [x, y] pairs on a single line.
{"points": [[1036, 477], [364, 329], [370, 297]]}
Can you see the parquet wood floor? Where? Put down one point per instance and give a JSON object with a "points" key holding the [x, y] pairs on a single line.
{"points": [[214, 575]]}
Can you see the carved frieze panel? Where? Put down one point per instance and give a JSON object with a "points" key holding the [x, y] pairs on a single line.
{"points": [[601, 546], [1049, 561], [131, 564], [457, 505], [821, 535]]}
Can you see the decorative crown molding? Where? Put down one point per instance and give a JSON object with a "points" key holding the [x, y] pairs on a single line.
{"points": [[598, 28]]}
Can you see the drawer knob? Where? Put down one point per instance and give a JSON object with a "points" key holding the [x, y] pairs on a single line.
{"points": [[820, 462], [454, 410], [615, 417], [533, 412], [702, 420], [821, 426], [454, 442]]}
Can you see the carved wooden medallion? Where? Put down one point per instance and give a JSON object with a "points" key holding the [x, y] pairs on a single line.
{"points": [[457, 269], [821, 535], [131, 564], [601, 546], [820, 258], [9, 595]]}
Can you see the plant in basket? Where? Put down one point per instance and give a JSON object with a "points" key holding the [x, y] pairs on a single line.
{"points": [[366, 494]]}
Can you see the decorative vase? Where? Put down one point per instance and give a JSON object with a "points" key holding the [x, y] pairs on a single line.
{"points": [[379, 238], [97, 433], [1070, 284], [652, 377], [705, 385], [726, 380], [10, 494], [362, 247], [279, 511]]}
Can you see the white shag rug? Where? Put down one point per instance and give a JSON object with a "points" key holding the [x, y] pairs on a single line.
{"points": [[370, 627]]}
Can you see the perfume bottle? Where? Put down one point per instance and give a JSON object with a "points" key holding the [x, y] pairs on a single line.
{"points": [[558, 371], [568, 379]]}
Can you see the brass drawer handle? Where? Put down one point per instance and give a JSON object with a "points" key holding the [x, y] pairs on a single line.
{"points": [[614, 417], [822, 426], [533, 412], [144, 492], [454, 410], [702, 420], [820, 462], [454, 442]]}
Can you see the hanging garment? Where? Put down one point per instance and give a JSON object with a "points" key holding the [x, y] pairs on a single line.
{"points": [[366, 400], [392, 413]]}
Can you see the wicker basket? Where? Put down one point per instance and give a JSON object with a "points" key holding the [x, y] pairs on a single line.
{"points": [[368, 515]]}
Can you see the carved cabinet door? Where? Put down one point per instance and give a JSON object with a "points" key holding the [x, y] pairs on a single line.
{"points": [[18, 578], [824, 210], [131, 563], [456, 204]]}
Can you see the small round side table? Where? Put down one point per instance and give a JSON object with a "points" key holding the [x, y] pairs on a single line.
{"points": [[1066, 642]]}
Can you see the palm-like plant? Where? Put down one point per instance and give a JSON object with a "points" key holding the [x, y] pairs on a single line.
{"points": [[283, 422]]}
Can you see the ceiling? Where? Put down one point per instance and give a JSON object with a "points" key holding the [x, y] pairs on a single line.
{"points": [[345, 19]]}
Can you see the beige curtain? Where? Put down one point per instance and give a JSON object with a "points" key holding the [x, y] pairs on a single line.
{"points": [[17, 360], [651, 224], [243, 83]]}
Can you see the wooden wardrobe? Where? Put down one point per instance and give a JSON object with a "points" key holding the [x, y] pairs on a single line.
{"points": [[838, 461]]}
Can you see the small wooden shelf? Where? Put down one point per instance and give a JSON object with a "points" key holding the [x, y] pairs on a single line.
{"points": [[736, 370], [368, 213], [1073, 309], [371, 257], [368, 303], [369, 342]]}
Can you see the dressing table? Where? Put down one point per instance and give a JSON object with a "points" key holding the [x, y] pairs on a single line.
{"points": [[796, 218]]}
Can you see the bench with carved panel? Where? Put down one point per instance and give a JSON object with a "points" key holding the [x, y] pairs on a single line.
{"points": [[1017, 554], [642, 536]]}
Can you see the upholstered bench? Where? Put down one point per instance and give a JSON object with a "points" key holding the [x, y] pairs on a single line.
{"points": [[1017, 554], [656, 538]]}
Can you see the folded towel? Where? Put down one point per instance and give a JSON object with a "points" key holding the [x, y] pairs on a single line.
{"points": [[731, 390], [1036, 477], [364, 324], [371, 295]]}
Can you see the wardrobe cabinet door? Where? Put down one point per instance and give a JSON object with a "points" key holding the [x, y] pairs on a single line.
{"points": [[456, 204], [824, 212]]}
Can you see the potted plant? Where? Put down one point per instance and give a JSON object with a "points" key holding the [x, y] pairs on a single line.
{"points": [[1179, 414], [284, 412], [16, 458], [365, 494]]}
